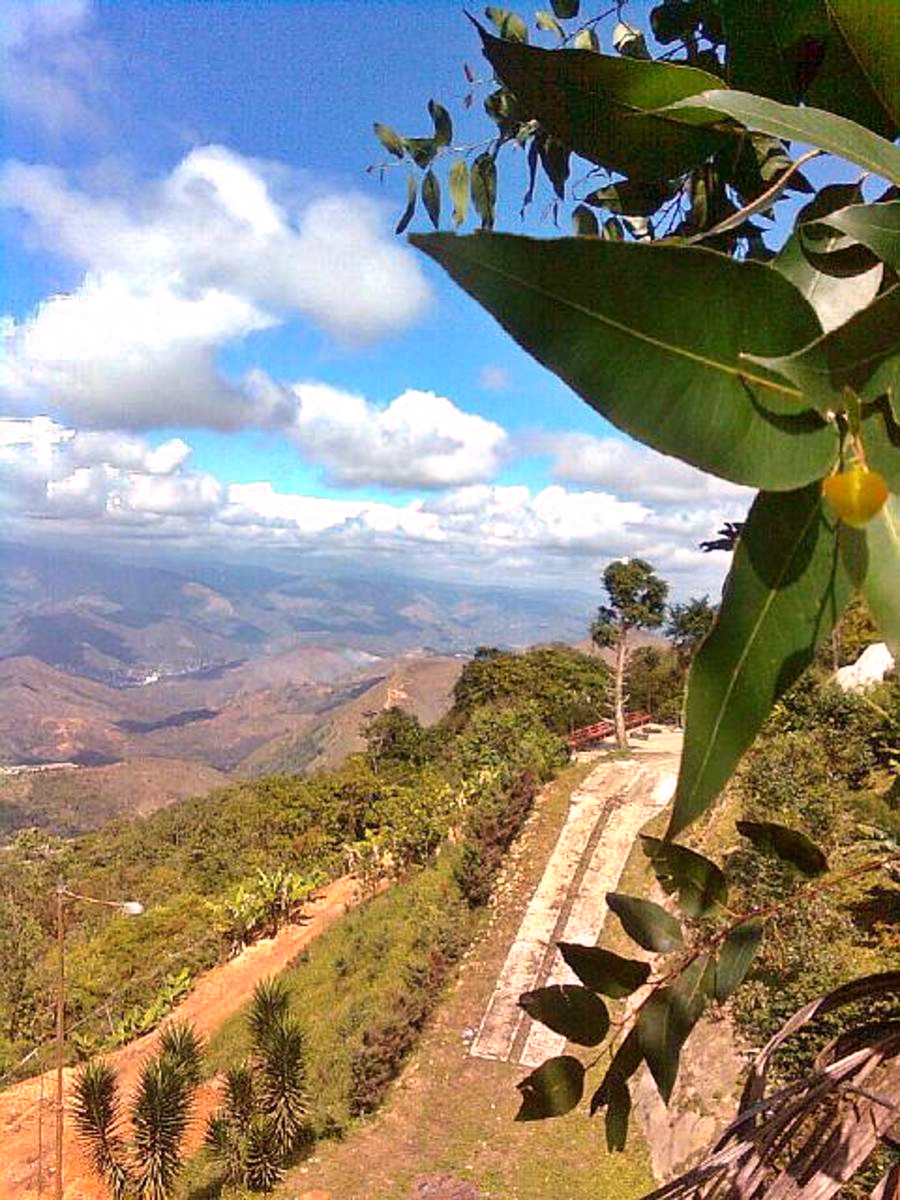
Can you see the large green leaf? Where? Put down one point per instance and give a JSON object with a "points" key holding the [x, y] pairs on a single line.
{"points": [[736, 956], [870, 30], [796, 51], [647, 923], [669, 1016], [651, 336], [793, 573], [875, 225], [605, 107], [552, 1090], [700, 884], [790, 845], [882, 586], [846, 357], [578, 1014], [814, 126], [834, 299], [603, 971]]}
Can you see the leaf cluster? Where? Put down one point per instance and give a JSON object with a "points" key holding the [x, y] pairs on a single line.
{"points": [[699, 957]]}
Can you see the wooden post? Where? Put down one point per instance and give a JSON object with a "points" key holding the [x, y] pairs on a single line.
{"points": [[60, 1033]]}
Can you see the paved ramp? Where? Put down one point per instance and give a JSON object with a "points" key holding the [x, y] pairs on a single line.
{"points": [[569, 905]]}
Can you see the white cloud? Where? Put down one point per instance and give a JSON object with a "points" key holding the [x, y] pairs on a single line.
{"points": [[636, 471], [419, 440], [104, 485], [182, 269], [51, 65]]}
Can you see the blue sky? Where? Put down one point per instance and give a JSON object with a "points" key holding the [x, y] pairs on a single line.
{"points": [[215, 343]]}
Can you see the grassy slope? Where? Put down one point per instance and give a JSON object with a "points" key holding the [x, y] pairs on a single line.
{"points": [[449, 1113]]}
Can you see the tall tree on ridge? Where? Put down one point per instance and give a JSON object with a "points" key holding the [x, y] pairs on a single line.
{"points": [[637, 600]]}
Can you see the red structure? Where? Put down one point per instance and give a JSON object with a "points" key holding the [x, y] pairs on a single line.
{"points": [[579, 739]]}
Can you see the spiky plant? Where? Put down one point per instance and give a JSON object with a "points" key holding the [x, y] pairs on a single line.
{"points": [[264, 1160], [263, 1120], [98, 1118], [159, 1116], [281, 1078]]}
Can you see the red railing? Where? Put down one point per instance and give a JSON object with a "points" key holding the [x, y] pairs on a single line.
{"points": [[579, 738]]}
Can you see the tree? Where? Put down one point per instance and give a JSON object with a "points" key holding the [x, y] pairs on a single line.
{"points": [[263, 1122], [148, 1167], [674, 317], [637, 600], [689, 624]]}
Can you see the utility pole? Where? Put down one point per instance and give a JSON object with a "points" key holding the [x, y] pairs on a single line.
{"points": [[60, 1032]]}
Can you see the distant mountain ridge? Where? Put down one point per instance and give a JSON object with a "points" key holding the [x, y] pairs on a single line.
{"points": [[159, 682]]}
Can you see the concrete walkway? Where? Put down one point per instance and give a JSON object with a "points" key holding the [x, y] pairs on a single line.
{"points": [[569, 905]]}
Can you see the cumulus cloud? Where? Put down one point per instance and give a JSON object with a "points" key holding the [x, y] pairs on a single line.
{"points": [[106, 485], [192, 264], [420, 440]]}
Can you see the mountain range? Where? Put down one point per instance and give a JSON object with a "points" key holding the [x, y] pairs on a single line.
{"points": [[155, 680]]}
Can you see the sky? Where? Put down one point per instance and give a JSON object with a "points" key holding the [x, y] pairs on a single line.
{"points": [[214, 344]]}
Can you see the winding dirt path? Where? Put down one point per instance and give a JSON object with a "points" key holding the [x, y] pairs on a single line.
{"points": [[27, 1121]]}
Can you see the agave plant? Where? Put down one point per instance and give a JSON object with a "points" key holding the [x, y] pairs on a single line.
{"points": [[262, 1123], [147, 1167]]}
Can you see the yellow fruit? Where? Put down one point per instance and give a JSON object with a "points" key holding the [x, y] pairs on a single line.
{"points": [[856, 495]]}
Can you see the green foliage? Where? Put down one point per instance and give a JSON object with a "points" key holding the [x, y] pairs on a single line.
{"points": [[666, 340], [655, 679], [689, 624], [569, 687]]}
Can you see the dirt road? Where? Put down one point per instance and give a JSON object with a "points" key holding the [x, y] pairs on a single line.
{"points": [[27, 1122]]}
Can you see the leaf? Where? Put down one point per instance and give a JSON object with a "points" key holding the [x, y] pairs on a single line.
{"points": [[603, 971], [606, 108], [871, 32], [874, 225], [586, 39], [508, 24], [421, 150], [882, 586], [736, 956], [667, 1019], [792, 575], [827, 251], [629, 41], [459, 190], [845, 357], [484, 188], [552, 1090], [546, 20], [626, 1060], [391, 141], [814, 126], [790, 845], [700, 885], [578, 1014], [646, 923], [431, 197], [617, 1113], [443, 126], [585, 222], [554, 158], [411, 192], [651, 336], [565, 9], [635, 199], [790, 52], [835, 300]]}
